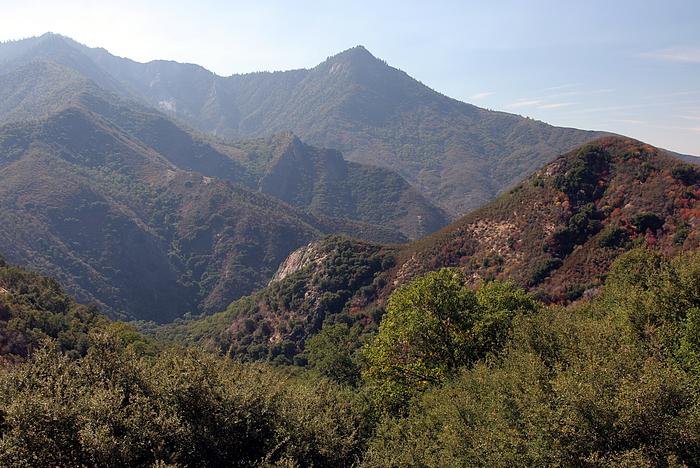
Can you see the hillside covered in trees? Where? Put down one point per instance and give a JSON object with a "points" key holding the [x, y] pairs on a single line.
{"points": [[556, 235], [341, 267], [453, 376], [457, 155], [150, 220]]}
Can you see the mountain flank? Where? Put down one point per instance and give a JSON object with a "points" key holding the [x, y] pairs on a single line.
{"points": [[457, 155], [556, 234]]}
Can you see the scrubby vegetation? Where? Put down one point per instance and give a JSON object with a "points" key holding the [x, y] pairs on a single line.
{"points": [[612, 382], [453, 377], [182, 408], [556, 247], [34, 308], [274, 323]]}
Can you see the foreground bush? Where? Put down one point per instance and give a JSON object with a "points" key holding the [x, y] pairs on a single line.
{"points": [[434, 326], [608, 383], [456, 377], [186, 408]]}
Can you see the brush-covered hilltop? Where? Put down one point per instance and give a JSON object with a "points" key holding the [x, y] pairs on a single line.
{"points": [[457, 155], [556, 234]]}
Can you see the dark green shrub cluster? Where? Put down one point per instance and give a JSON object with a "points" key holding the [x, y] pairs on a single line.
{"points": [[584, 223], [647, 221], [613, 236], [542, 269], [681, 234], [34, 308], [686, 173], [580, 180]]}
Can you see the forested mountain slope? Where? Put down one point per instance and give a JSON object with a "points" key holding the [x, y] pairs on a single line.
{"points": [[121, 225], [456, 154], [34, 308], [321, 181], [555, 234]]}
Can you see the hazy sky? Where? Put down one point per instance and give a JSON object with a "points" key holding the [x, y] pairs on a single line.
{"points": [[631, 67]]}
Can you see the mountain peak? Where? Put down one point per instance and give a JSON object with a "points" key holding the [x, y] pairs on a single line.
{"points": [[284, 139], [355, 54], [55, 38]]}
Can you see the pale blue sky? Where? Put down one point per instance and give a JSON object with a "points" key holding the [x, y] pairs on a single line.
{"points": [[631, 67]]}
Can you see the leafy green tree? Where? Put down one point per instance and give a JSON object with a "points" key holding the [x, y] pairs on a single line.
{"points": [[331, 353], [433, 326]]}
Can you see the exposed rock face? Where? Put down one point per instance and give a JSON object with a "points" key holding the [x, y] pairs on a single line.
{"points": [[300, 259]]}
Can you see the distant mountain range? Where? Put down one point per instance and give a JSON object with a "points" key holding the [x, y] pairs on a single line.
{"points": [[555, 234], [132, 211], [457, 155], [159, 189]]}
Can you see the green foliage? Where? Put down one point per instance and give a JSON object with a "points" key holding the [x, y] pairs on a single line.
{"points": [[295, 308], [613, 236], [183, 408], [584, 223], [647, 221], [613, 382], [331, 352], [681, 234], [432, 327], [34, 308], [542, 269], [456, 377], [580, 181], [686, 173]]}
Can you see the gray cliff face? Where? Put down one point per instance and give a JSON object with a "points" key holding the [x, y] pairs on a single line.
{"points": [[310, 254]]}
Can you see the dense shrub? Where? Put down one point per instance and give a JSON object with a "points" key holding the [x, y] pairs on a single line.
{"points": [[432, 327], [456, 377], [583, 223], [647, 221], [686, 173], [113, 408], [613, 236], [33, 308], [580, 180], [613, 382], [542, 269]]}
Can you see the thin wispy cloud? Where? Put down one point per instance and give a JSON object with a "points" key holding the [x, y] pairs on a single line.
{"points": [[580, 93], [564, 86], [556, 105], [675, 94], [628, 121], [553, 101], [616, 108], [479, 96], [523, 103], [682, 54]]}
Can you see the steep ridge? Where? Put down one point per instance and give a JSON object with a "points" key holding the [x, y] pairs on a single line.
{"points": [[457, 155], [120, 225], [322, 182], [555, 234], [357, 200]]}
